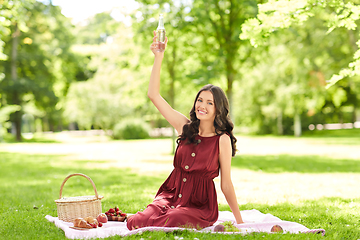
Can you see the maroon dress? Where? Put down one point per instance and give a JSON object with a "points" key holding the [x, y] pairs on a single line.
{"points": [[188, 196]]}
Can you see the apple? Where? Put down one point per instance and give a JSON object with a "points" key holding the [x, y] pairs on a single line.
{"points": [[219, 228], [102, 218], [276, 228]]}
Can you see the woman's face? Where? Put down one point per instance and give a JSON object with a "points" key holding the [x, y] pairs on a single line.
{"points": [[205, 106]]}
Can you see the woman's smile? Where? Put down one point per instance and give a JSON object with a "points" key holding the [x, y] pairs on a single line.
{"points": [[202, 112]]}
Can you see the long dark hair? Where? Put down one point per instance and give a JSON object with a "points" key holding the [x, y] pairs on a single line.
{"points": [[222, 121]]}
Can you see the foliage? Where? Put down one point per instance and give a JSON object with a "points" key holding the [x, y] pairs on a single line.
{"points": [[103, 78], [131, 129], [115, 89], [275, 15], [96, 104], [12, 12], [44, 67], [297, 57], [96, 30]]}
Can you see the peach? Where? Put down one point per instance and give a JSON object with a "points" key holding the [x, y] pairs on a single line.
{"points": [[102, 218]]}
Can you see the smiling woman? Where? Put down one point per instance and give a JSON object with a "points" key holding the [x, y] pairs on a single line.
{"points": [[206, 144]]}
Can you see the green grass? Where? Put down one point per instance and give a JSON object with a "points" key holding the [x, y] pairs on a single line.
{"points": [[36, 138], [338, 133], [293, 163], [31, 183], [328, 137], [341, 136]]}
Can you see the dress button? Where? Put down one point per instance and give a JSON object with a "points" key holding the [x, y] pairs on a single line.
{"points": [[199, 140], [164, 206], [180, 195], [186, 167], [193, 154], [172, 207], [184, 179]]}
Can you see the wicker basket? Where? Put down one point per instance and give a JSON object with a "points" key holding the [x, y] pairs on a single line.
{"points": [[71, 208]]}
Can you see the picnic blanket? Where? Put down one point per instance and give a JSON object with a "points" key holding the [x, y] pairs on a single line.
{"points": [[254, 221]]}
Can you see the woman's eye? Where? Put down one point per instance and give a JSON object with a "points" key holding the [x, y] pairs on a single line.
{"points": [[210, 103], [199, 100]]}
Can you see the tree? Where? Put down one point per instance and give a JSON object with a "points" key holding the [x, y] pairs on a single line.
{"points": [[217, 27], [114, 92], [15, 21], [40, 63], [332, 48]]}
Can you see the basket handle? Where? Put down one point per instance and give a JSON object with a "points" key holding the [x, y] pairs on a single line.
{"points": [[79, 174]]}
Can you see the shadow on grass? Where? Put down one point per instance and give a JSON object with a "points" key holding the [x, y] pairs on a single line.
{"points": [[291, 163]]}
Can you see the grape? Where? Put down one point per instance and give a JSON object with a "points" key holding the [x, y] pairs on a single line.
{"points": [[229, 227]]}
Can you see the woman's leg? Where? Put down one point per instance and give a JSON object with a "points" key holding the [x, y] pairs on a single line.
{"points": [[143, 219]]}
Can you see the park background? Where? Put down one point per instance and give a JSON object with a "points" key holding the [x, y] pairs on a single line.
{"points": [[74, 92]]}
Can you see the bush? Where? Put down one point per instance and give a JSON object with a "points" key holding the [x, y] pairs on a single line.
{"points": [[131, 129]]}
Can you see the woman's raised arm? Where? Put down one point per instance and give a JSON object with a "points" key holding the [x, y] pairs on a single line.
{"points": [[175, 118]]}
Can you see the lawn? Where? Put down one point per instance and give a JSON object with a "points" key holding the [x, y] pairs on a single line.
{"points": [[31, 183]]}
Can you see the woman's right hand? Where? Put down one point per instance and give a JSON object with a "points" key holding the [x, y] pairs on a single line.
{"points": [[154, 47]]}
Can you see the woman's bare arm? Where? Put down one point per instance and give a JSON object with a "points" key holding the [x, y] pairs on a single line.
{"points": [[175, 118], [225, 172]]}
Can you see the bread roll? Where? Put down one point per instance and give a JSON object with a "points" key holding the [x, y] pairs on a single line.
{"points": [[81, 223], [77, 222], [91, 220]]}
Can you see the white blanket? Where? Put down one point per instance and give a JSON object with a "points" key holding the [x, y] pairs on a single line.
{"points": [[254, 221]]}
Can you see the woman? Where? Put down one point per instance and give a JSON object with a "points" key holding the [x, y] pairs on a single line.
{"points": [[206, 144]]}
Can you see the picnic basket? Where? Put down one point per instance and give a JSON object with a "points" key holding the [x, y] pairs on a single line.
{"points": [[70, 208]]}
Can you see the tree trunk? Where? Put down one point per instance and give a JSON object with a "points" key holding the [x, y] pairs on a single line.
{"points": [[297, 125], [229, 94], [354, 117], [341, 116], [16, 97], [230, 73], [280, 129]]}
